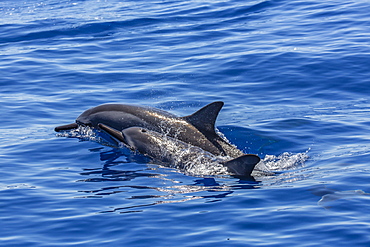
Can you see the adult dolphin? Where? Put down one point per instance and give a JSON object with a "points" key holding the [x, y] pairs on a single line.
{"points": [[197, 129], [178, 154]]}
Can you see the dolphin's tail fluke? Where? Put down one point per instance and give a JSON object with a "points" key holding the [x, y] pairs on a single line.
{"points": [[243, 165], [66, 127]]}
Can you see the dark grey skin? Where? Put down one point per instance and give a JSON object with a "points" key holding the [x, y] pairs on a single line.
{"points": [[179, 154], [197, 129]]}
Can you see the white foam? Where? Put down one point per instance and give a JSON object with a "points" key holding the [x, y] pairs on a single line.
{"points": [[84, 133], [284, 161]]}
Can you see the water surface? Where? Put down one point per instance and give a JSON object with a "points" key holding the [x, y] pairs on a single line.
{"points": [[294, 79]]}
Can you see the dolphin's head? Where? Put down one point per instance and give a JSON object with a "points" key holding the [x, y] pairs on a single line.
{"points": [[135, 138], [139, 139]]}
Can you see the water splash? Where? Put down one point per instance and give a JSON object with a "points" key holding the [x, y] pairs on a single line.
{"points": [[193, 160], [82, 132], [282, 162], [282, 169], [86, 133]]}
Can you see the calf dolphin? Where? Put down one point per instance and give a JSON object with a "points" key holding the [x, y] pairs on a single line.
{"points": [[177, 153], [197, 129]]}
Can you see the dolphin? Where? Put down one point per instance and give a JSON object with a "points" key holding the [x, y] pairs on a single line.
{"points": [[178, 154], [197, 129]]}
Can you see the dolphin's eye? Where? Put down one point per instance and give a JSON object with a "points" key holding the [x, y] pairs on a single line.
{"points": [[143, 130]]}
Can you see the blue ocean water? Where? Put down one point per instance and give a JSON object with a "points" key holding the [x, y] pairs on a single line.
{"points": [[294, 76]]}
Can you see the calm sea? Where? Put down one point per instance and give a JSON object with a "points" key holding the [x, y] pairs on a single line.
{"points": [[294, 76]]}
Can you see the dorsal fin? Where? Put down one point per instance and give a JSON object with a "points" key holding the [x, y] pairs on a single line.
{"points": [[244, 165], [205, 118]]}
